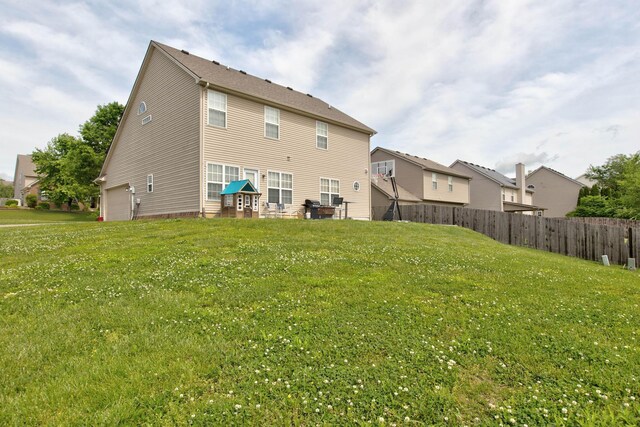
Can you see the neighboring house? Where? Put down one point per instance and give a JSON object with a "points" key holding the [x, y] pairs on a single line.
{"points": [[191, 126], [25, 179], [555, 191], [582, 179], [491, 190], [420, 180], [382, 194]]}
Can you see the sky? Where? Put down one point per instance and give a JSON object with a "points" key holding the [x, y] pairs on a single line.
{"points": [[492, 82]]}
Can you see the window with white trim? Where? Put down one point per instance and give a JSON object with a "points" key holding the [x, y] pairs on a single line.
{"points": [[150, 183], [217, 106], [271, 122], [279, 187], [386, 167], [504, 196], [450, 182], [434, 181], [322, 135], [142, 108], [329, 188], [218, 177]]}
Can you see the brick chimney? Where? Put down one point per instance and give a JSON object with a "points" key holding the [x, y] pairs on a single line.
{"points": [[520, 182]]}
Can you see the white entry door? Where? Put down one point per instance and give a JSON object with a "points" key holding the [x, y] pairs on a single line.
{"points": [[252, 175]]}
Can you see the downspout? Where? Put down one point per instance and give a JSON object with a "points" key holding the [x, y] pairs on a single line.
{"points": [[201, 180]]}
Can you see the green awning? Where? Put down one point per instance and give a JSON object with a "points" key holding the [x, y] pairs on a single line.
{"points": [[243, 185]]}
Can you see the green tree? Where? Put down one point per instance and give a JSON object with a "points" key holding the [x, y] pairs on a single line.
{"points": [[6, 190], [596, 206], [610, 174], [617, 192], [629, 185], [99, 130], [68, 165]]}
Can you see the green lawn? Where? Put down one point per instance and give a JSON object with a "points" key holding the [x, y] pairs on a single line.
{"points": [[32, 216], [287, 322]]}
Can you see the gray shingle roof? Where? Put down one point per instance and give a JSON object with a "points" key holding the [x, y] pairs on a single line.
{"points": [[492, 174], [228, 78], [424, 163]]}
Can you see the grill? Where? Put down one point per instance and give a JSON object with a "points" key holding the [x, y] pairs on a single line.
{"points": [[316, 210]]}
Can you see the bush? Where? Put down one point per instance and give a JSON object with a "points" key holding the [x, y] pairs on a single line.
{"points": [[11, 202], [74, 207], [32, 200], [44, 205]]}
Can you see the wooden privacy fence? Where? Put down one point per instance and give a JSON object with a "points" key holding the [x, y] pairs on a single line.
{"points": [[558, 235]]}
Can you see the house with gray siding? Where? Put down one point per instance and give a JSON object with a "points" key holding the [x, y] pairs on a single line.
{"points": [[25, 179], [554, 190], [494, 191], [192, 125], [419, 180]]}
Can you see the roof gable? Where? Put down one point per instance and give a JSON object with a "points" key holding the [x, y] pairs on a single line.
{"points": [[555, 172], [243, 186], [238, 81]]}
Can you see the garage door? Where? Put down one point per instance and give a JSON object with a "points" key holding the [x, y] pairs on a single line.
{"points": [[118, 204]]}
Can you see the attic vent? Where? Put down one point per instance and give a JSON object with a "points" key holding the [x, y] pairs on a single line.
{"points": [[185, 52], [215, 62], [309, 95], [267, 80], [290, 88], [243, 72], [146, 119]]}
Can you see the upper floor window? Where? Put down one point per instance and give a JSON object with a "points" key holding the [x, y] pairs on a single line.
{"points": [[142, 108], [384, 168], [280, 187], [450, 182], [329, 188], [217, 103], [218, 177], [271, 122], [150, 183], [434, 181], [504, 196], [322, 135]]}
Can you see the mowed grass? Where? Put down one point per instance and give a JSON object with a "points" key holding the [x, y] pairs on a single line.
{"points": [[287, 322], [32, 216]]}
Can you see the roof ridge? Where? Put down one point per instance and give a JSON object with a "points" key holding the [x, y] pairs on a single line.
{"points": [[212, 72]]}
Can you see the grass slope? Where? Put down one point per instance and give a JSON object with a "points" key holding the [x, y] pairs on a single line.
{"points": [[30, 216], [278, 322]]}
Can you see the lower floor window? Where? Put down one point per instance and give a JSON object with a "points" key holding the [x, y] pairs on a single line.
{"points": [[218, 176], [329, 188], [280, 187]]}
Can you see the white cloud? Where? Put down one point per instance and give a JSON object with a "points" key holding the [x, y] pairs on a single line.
{"points": [[487, 81]]}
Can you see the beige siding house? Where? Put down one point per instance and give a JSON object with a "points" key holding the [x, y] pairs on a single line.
{"points": [[425, 180], [25, 179], [192, 125], [491, 190], [555, 191]]}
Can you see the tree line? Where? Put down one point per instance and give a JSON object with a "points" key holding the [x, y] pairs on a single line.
{"points": [[68, 165], [616, 193]]}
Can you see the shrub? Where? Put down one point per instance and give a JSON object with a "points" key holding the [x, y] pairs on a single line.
{"points": [[11, 202], [32, 200], [44, 205], [74, 207]]}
